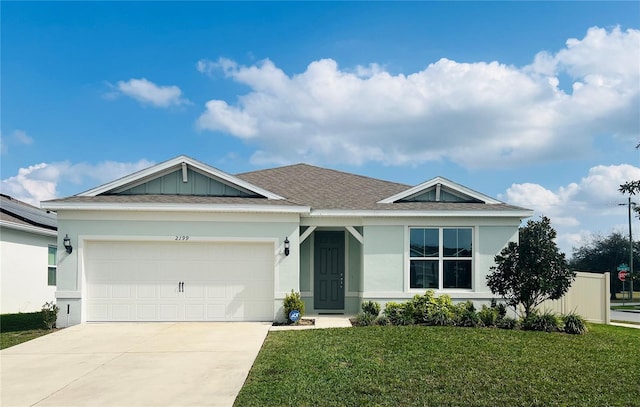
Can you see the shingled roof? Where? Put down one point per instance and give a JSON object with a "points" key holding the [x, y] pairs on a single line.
{"points": [[13, 211], [323, 188], [295, 187]]}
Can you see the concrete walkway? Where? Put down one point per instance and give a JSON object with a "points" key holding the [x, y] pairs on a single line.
{"points": [[132, 364], [321, 322]]}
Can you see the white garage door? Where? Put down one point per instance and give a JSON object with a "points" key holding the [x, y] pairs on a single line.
{"points": [[179, 281]]}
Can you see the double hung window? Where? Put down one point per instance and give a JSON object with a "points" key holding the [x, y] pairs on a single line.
{"points": [[52, 269], [440, 258]]}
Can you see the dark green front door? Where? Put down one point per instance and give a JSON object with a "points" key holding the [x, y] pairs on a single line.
{"points": [[329, 271]]}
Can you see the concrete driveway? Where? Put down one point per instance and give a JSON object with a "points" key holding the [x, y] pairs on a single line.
{"points": [[132, 364]]}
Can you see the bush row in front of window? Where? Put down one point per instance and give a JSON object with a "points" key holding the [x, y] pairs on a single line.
{"points": [[441, 311]]}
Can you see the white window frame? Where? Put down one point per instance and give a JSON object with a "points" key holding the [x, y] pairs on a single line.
{"points": [[441, 258], [53, 266]]}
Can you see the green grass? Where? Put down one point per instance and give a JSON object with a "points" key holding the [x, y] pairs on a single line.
{"points": [[18, 328], [445, 366]]}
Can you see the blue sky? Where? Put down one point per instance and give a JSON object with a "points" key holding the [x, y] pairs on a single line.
{"points": [[537, 104]]}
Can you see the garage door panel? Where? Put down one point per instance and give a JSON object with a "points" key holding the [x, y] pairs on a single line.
{"points": [[95, 291], [216, 291], [98, 312], [146, 312], [121, 312], [168, 312], [194, 289], [120, 291], [129, 281], [146, 291], [168, 290], [194, 312]]}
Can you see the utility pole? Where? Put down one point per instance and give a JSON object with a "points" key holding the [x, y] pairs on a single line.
{"points": [[629, 204], [630, 254]]}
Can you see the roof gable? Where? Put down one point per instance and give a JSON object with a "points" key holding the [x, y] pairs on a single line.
{"points": [[440, 189], [181, 176]]}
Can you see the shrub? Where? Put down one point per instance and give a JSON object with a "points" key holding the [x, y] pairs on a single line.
{"points": [[49, 314], [371, 308], [382, 320], [364, 319], [488, 316], [467, 315], [501, 308], [441, 316], [422, 304], [547, 322], [292, 302], [507, 323], [441, 311], [574, 324], [399, 314]]}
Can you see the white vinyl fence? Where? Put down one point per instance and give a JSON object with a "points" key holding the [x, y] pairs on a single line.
{"points": [[588, 297]]}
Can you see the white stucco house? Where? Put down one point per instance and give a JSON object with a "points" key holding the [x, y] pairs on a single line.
{"points": [[28, 253], [183, 241]]}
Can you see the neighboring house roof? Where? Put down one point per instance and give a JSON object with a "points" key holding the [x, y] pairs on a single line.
{"points": [[19, 215], [299, 188]]}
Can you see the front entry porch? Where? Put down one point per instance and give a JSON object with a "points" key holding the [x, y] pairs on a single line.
{"points": [[331, 269]]}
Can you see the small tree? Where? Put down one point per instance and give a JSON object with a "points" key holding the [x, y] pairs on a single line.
{"points": [[531, 271]]}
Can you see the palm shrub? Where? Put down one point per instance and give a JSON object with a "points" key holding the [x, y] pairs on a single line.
{"points": [[369, 314], [382, 320], [292, 302], [371, 308], [364, 319], [574, 324], [535, 321]]}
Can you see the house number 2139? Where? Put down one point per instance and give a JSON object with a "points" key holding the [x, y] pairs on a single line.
{"points": [[182, 238]]}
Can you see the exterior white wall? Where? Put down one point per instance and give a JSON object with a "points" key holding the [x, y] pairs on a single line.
{"points": [[384, 268], [386, 257], [24, 266], [83, 226]]}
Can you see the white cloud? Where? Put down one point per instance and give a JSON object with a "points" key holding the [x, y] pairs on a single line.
{"points": [[18, 136], [40, 182], [148, 92], [21, 137], [592, 204], [482, 114]]}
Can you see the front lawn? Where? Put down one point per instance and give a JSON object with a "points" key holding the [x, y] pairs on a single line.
{"points": [[445, 366], [18, 328]]}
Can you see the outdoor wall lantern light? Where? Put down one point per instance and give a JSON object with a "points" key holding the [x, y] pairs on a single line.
{"points": [[286, 246], [66, 242]]}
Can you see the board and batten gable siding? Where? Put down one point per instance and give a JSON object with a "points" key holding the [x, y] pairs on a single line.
{"points": [[173, 184], [82, 226], [24, 265]]}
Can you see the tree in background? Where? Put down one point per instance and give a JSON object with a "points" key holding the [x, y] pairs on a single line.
{"points": [[604, 254], [531, 271]]}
